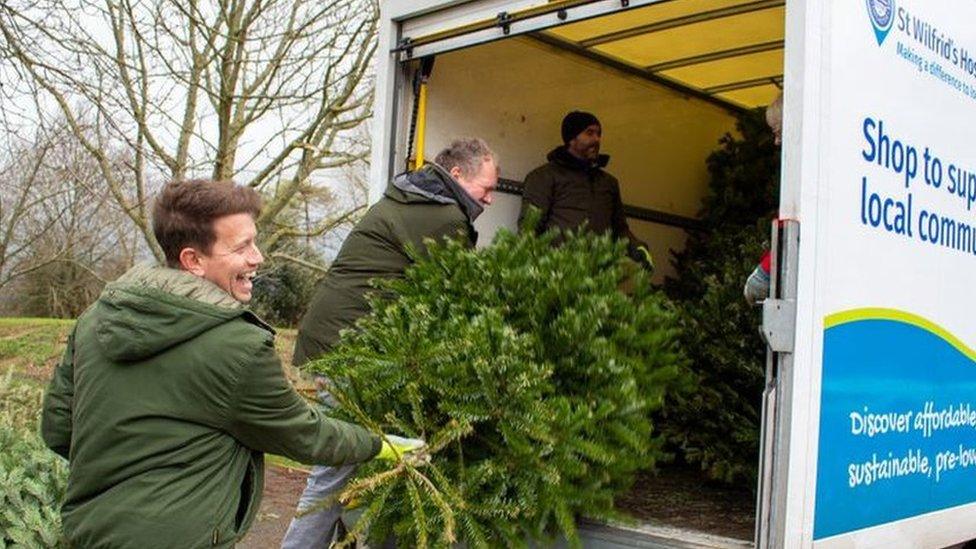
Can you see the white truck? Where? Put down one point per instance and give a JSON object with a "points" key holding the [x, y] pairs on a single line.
{"points": [[869, 414]]}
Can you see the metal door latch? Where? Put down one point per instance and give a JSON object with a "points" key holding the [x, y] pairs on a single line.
{"points": [[779, 324]]}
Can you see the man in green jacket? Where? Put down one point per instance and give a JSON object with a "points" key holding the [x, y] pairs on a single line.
{"points": [[439, 200], [573, 189], [170, 390]]}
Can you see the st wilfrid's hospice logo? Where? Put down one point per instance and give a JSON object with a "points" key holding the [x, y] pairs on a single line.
{"points": [[882, 13]]}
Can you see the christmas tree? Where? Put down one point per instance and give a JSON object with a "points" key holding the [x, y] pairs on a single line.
{"points": [[717, 426], [531, 375]]}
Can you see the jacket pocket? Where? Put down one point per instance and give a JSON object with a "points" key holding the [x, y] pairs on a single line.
{"points": [[247, 497]]}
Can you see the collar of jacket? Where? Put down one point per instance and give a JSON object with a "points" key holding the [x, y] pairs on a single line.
{"points": [[179, 283], [435, 183], [152, 308], [560, 155]]}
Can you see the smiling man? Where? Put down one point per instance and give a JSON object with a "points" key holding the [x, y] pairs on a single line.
{"points": [[170, 390]]}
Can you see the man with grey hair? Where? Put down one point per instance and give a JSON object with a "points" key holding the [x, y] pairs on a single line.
{"points": [[439, 200], [756, 288]]}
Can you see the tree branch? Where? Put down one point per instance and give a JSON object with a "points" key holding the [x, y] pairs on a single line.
{"points": [[302, 262]]}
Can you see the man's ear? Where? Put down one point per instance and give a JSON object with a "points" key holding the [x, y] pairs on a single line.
{"points": [[456, 173], [191, 261]]}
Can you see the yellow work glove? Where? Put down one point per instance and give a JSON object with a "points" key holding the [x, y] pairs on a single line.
{"points": [[395, 447]]}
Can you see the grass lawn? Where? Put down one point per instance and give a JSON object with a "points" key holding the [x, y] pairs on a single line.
{"points": [[30, 348]]}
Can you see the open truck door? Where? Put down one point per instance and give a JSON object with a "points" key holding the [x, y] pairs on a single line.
{"points": [[869, 415]]}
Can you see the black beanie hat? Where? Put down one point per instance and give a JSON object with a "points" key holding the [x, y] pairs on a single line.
{"points": [[575, 122]]}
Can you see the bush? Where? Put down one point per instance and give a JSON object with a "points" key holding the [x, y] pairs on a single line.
{"points": [[529, 373], [717, 427], [32, 478], [283, 289]]}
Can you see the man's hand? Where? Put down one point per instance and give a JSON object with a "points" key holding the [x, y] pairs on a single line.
{"points": [[643, 256], [412, 450], [757, 286]]}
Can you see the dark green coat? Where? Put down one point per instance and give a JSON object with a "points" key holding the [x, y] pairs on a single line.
{"points": [[570, 192], [424, 204], [166, 397]]}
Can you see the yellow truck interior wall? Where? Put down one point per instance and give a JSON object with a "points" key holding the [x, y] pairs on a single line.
{"points": [[514, 93]]}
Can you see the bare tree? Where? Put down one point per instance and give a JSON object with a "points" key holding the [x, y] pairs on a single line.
{"points": [[266, 92], [63, 234], [323, 215], [27, 211]]}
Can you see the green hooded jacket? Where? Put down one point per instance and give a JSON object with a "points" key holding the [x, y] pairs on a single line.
{"points": [[166, 397], [427, 203]]}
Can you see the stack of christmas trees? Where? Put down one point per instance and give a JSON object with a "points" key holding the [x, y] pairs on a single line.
{"points": [[717, 426]]}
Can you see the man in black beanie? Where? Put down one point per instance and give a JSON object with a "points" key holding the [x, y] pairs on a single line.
{"points": [[572, 188]]}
